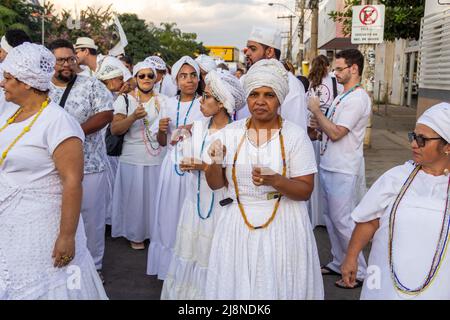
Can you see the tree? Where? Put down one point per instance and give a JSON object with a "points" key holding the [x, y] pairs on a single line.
{"points": [[402, 18], [20, 14]]}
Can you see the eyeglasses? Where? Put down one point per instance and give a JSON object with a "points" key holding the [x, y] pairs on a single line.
{"points": [[150, 76], [341, 69], [206, 96], [421, 140], [69, 60]]}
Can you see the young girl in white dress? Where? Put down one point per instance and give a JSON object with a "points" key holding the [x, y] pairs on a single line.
{"points": [[181, 113]]}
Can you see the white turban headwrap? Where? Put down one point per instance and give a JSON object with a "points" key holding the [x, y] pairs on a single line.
{"points": [[109, 67], [206, 63], [32, 64], [180, 63], [268, 73], [144, 65], [157, 62], [438, 119], [228, 89], [5, 45]]}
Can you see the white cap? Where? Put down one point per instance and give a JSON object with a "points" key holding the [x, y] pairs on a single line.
{"points": [[267, 36], [438, 119], [142, 66], [206, 63], [157, 62], [85, 42]]}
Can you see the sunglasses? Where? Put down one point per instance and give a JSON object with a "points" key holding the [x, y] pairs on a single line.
{"points": [[150, 76], [421, 140]]}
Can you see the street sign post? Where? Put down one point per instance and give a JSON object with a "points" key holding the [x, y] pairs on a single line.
{"points": [[368, 24]]}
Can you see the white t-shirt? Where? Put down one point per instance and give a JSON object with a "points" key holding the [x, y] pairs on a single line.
{"points": [[31, 158], [134, 150], [346, 155], [166, 86], [325, 92]]}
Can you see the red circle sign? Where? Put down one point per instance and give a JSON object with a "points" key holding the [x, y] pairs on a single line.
{"points": [[368, 15]]}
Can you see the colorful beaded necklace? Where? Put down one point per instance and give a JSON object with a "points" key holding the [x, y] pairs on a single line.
{"points": [[235, 182], [441, 248], [323, 147], [24, 131], [177, 125], [145, 129]]}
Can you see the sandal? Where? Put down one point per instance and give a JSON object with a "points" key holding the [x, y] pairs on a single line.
{"points": [[137, 245], [340, 284], [328, 272]]}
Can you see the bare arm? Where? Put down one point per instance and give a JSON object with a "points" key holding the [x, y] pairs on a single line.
{"points": [[362, 234], [97, 122], [333, 131], [69, 162]]}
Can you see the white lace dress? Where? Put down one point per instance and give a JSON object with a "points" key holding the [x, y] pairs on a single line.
{"points": [[30, 215], [186, 278], [281, 261]]}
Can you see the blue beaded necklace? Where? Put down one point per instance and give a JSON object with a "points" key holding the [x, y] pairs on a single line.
{"points": [[199, 174], [178, 123]]}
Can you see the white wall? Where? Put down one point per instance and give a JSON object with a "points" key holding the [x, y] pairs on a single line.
{"points": [[433, 6], [327, 27]]}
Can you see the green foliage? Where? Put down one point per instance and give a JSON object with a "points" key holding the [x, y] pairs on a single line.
{"points": [[402, 18], [144, 38]]}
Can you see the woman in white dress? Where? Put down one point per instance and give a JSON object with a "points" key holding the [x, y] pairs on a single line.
{"points": [[264, 246], [42, 253], [133, 209], [180, 114], [407, 214], [327, 89], [186, 279]]}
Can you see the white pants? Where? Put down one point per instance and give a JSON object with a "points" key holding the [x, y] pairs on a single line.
{"points": [[339, 198], [93, 211]]}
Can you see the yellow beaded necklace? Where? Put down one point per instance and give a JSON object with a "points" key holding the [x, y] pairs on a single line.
{"points": [[24, 131], [235, 182]]}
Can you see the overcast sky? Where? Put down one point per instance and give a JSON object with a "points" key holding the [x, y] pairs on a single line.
{"points": [[216, 22]]}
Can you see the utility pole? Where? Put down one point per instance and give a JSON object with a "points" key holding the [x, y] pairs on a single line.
{"points": [[314, 6], [291, 18], [301, 30]]}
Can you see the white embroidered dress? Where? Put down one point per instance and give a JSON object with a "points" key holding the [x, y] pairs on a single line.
{"points": [[281, 261], [30, 215]]}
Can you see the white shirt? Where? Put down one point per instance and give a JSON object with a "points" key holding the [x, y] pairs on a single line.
{"points": [[325, 92], [166, 86], [294, 107], [31, 158], [134, 150], [87, 98], [346, 155]]}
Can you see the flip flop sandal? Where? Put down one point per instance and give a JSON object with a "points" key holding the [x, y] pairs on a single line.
{"points": [[340, 284], [328, 272]]}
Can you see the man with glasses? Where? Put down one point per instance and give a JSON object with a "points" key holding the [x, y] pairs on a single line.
{"points": [[91, 104], [342, 169]]}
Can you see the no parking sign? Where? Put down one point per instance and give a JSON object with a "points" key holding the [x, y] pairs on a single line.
{"points": [[368, 24]]}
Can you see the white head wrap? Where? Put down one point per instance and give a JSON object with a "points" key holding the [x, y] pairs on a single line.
{"points": [[438, 119], [144, 65], [5, 45], [227, 89], [32, 64], [108, 63], [180, 63], [157, 62], [206, 63], [268, 73], [267, 36], [109, 71]]}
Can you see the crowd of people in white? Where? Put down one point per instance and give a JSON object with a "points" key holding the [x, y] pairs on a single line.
{"points": [[225, 177]]}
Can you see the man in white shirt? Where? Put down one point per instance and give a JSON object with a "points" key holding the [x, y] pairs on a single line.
{"points": [[91, 104], [342, 160], [265, 43]]}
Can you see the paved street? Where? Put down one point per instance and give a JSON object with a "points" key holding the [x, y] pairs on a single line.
{"points": [[124, 268]]}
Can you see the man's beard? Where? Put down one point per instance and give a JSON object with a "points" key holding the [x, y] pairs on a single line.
{"points": [[64, 78]]}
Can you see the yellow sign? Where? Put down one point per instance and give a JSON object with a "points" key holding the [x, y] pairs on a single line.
{"points": [[228, 54]]}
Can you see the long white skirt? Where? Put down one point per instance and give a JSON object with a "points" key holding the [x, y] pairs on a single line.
{"points": [[30, 218], [280, 262], [315, 208], [111, 170], [133, 209], [186, 278], [170, 196]]}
